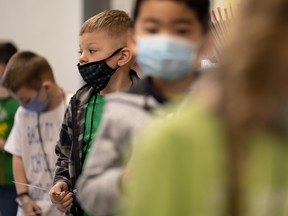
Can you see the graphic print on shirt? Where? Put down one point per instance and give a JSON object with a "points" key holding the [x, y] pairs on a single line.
{"points": [[42, 161]]}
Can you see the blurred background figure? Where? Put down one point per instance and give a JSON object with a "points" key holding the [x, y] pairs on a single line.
{"points": [[8, 107], [226, 153], [30, 79]]}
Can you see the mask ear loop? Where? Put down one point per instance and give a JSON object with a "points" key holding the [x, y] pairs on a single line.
{"points": [[38, 93], [114, 53], [90, 63], [41, 88]]}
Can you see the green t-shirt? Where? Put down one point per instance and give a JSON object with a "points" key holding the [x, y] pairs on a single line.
{"points": [[8, 109], [93, 118]]}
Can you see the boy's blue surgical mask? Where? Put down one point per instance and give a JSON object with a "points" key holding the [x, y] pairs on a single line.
{"points": [[97, 74], [38, 106], [168, 58]]}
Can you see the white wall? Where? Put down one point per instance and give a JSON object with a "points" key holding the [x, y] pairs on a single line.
{"points": [[49, 28], [125, 5]]}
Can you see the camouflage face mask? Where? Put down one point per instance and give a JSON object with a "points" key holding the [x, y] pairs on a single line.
{"points": [[97, 74]]}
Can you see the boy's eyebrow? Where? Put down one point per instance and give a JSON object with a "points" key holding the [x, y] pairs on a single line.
{"points": [[174, 22], [93, 43], [151, 20], [90, 43], [182, 21]]}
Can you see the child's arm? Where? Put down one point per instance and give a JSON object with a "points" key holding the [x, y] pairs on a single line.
{"points": [[63, 150], [59, 193], [23, 199]]}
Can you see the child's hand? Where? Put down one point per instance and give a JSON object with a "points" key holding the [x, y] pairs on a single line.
{"points": [[31, 208], [61, 197]]}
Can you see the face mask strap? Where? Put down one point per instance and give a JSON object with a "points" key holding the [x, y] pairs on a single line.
{"points": [[91, 63], [36, 97], [48, 94], [114, 53]]}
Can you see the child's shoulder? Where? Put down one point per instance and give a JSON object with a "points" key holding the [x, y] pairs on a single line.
{"points": [[23, 114], [84, 93], [124, 98], [133, 103]]}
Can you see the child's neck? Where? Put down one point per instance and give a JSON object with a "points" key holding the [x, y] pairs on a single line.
{"points": [[58, 97], [118, 82], [173, 89]]}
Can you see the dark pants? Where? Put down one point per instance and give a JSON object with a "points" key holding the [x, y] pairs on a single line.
{"points": [[8, 205]]}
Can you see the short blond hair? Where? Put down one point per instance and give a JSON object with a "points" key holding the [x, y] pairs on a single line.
{"points": [[115, 22]]}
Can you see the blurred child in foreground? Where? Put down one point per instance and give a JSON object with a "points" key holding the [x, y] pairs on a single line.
{"points": [[167, 37], [234, 160]]}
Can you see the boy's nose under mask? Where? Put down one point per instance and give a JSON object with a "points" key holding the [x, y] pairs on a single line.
{"points": [[165, 57]]}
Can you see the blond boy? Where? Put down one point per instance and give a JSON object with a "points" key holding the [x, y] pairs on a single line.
{"points": [[104, 65]]}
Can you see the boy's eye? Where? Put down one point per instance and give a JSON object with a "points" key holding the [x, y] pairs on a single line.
{"points": [[182, 31], [152, 30], [92, 51]]}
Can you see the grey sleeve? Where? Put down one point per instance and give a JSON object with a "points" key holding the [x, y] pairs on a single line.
{"points": [[97, 188]]}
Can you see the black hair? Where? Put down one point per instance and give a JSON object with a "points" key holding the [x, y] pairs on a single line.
{"points": [[201, 7], [7, 50]]}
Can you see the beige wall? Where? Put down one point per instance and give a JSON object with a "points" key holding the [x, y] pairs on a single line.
{"points": [[49, 28]]}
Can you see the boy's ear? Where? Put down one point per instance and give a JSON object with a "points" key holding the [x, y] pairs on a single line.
{"points": [[47, 85], [125, 57]]}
